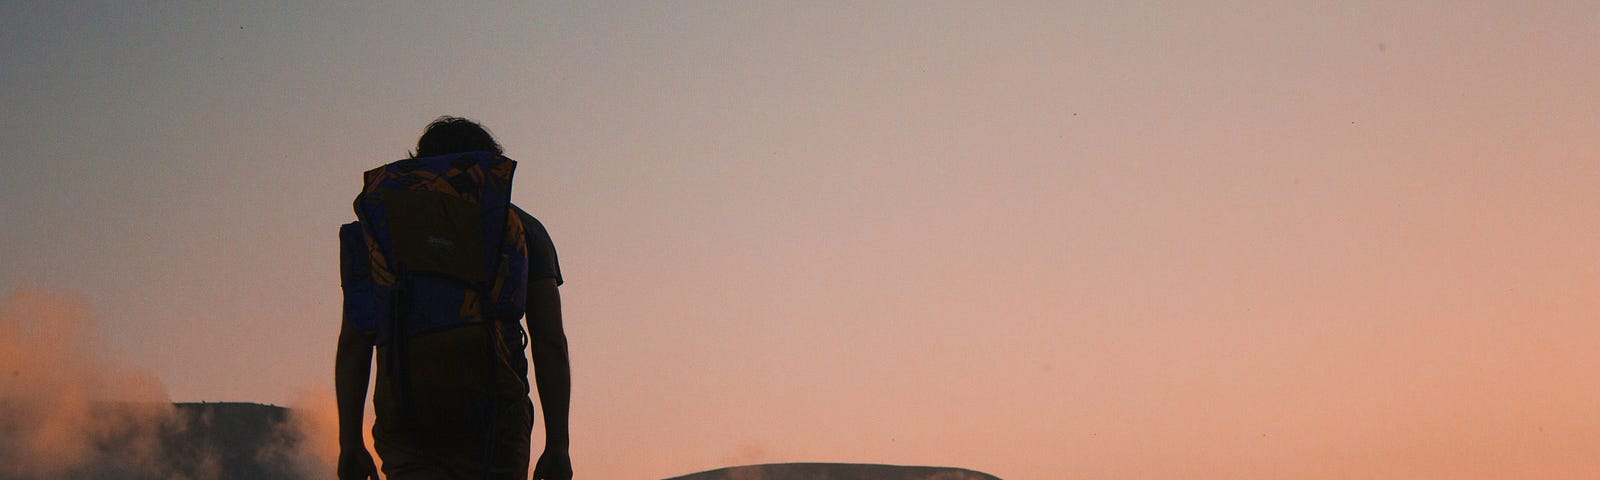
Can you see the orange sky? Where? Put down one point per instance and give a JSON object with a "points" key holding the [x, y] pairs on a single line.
{"points": [[1154, 240]]}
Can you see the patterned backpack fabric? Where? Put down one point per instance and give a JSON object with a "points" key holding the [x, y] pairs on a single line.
{"points": [[442, 247]]}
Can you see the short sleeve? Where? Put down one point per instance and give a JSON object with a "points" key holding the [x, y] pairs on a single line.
{"points": [[355, 279], [542, 261], [352, 255]]}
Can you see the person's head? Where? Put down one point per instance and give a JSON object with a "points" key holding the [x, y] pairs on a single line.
{"points": [[449, 134]]}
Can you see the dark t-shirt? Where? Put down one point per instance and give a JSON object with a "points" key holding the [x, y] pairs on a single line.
{"points": [[541, 251]]}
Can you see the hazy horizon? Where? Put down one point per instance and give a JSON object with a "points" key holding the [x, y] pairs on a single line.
{"points": [[1105, 240]]}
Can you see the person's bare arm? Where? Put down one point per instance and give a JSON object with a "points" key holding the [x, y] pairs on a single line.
{"points": [[352, 368], [552, 372]]}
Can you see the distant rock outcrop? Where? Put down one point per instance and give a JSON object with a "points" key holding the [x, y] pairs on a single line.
{"points": [[836, 471], [243, 439]]}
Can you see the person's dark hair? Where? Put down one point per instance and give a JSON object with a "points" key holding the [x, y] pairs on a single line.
{"points": [[449, 134]]}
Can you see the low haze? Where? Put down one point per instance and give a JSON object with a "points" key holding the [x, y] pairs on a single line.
{"points": [[1208, 240]]}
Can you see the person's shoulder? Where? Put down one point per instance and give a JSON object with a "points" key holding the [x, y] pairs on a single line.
{"points": [[529, 222]]}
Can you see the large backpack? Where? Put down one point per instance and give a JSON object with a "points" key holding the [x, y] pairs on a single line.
{"points": [[436, 247], [443, 247]]}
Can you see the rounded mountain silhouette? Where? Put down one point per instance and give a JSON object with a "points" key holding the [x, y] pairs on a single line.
{"points": [[836, 471]]}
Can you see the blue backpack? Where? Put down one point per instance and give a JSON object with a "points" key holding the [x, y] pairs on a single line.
{"points": [[437, 245]]}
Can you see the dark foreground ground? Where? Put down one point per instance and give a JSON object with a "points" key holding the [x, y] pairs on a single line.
{"points": [[248, 441]]}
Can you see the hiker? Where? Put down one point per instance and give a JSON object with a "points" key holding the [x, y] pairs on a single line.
{"points": [[435, 275]]}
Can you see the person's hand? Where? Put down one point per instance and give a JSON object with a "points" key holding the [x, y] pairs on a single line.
{"points": [[355, 463], [554, 464]]}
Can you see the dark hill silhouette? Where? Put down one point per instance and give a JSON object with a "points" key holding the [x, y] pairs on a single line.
{"points": [[835, 471], [239, 437]]}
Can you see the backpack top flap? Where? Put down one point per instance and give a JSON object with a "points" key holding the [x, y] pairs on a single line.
{"points": [[439, 242]]}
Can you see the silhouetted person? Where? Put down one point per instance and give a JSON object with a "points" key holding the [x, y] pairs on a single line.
{"points": [[436, 297]]}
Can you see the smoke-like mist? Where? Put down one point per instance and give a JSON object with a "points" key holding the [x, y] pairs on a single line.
{"points": [[69, 411], [65, 410], [310, 435]]}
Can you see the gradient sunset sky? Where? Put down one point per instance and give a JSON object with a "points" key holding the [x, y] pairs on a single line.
{"points": [[1119, 240]]}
